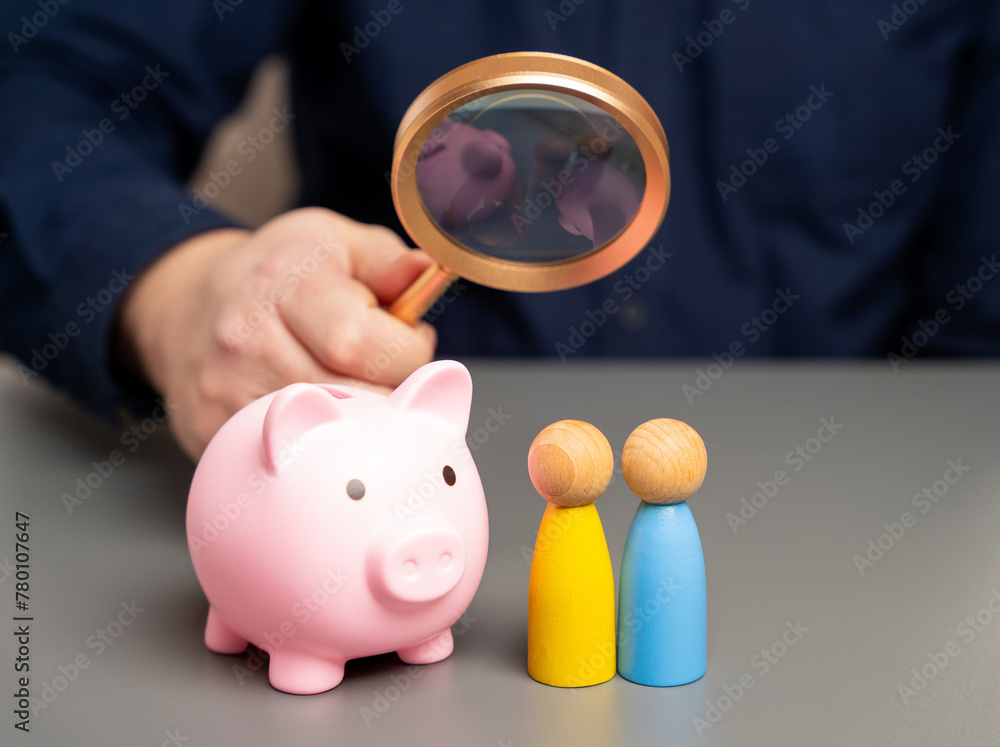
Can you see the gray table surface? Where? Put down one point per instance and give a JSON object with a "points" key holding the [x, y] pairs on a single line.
{"points": [[859, 634]]}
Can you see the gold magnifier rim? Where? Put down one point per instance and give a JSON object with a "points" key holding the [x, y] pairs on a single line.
{"points": [[542, 71]]}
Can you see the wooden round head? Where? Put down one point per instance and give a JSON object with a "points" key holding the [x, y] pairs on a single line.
{"points": [[664, 461], [570, 463]]}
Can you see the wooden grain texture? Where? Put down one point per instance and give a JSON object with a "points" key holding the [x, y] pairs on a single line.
{"points": [[664, 461], [570, 463]]}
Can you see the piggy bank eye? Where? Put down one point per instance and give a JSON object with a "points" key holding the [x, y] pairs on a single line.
{"points": [[356, 489], [449, 475]]}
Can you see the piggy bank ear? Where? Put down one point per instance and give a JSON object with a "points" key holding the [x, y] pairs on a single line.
{"points": [[442, 389], [296, 409]]}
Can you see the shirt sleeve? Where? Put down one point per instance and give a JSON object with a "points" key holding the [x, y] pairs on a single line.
{"points": [[105, 106], [959, 280]]}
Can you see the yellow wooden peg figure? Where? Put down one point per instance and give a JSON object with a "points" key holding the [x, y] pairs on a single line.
{"points": [[571, 593]]}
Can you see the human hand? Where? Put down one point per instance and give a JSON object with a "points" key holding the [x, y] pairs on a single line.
{"points": [[230, 315]]}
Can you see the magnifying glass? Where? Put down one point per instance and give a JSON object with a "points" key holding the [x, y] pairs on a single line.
{"points": [[527, 171]]}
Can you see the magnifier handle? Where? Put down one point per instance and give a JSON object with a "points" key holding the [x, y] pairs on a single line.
{"points": [[426, 289]]}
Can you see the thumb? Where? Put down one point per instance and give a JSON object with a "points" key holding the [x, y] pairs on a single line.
{"points": [[387, 266]]}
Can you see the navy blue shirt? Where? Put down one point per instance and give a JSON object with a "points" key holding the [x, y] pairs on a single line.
{"points": [[834, 165]]}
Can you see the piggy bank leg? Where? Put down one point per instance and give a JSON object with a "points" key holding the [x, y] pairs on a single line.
{"points": [[222, 639], [302, 674], [436, 648]]}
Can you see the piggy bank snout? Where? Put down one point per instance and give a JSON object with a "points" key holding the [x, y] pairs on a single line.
{"points": [[419, 566]]}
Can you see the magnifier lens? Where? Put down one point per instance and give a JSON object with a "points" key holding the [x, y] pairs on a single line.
{"points": [[530, 176]]}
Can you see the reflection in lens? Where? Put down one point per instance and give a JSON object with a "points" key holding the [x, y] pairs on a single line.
{"points": [[530, 176]]}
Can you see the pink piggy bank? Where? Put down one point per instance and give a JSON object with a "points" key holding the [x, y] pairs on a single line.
{"points": [[327, 523], [464, 173]]}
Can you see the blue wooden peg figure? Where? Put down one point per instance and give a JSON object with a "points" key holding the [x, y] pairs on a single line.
{"points": [[662, 625]]}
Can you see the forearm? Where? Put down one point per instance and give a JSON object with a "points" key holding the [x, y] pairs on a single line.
{"points": [[143, 338], [104, 114]]}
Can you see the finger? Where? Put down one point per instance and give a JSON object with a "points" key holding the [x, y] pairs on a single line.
{"points": [[261, 360], [384, 263], [294, 363], [373, 254], [236, 381], [342, 327]]}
